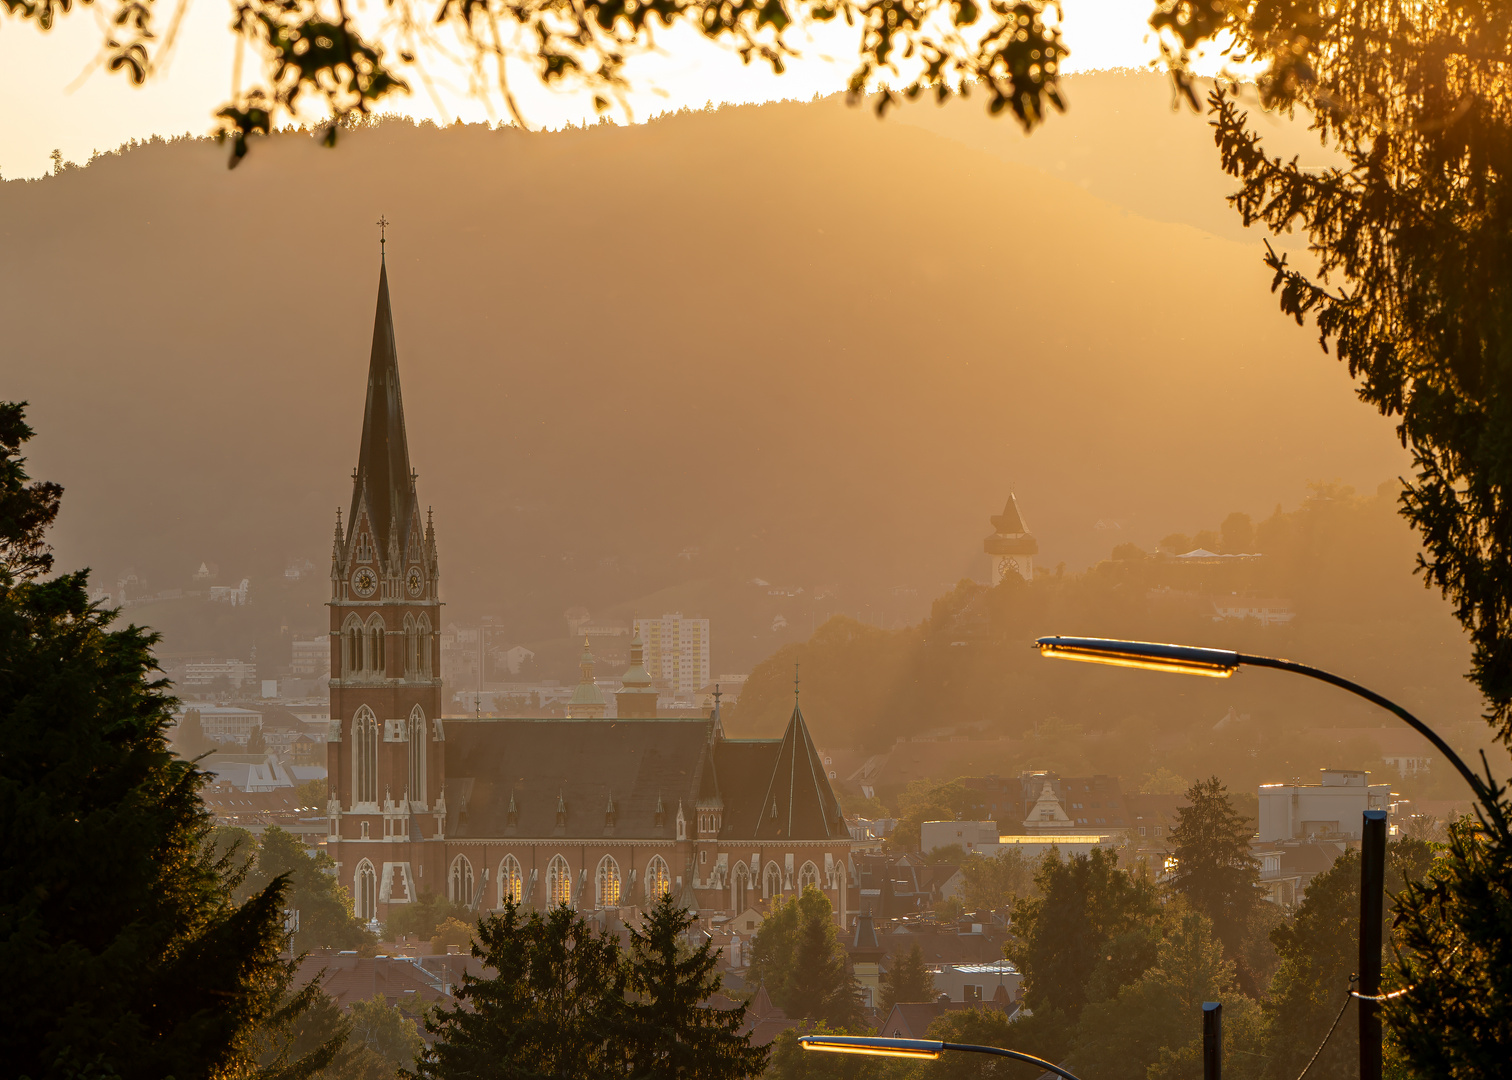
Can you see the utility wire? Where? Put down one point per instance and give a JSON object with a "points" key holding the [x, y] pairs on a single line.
{"points": [[1347, 999]]}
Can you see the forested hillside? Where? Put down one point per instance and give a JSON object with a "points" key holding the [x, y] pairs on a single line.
{"points": [[1340, 561], [644, 367]]}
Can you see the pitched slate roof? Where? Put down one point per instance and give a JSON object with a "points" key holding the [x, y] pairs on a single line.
{"points": [[383, 465], [582, 763], [744, 769], [799, 803]]}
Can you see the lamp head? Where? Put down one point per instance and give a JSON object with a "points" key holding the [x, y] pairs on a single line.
{"points": [[874, 1047], [1177, 659]]}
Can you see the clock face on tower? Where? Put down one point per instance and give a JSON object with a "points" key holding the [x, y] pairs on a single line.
{"points": [[415, 580], [364, 582]]}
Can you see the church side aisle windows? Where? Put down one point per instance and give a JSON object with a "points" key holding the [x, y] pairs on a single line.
{"points": [[365, 755], [510, 883], [608, 883], [809, 875], [771, 882], [658, 882], [559, 881], [367, 892], [417, 755], [461, 883]]}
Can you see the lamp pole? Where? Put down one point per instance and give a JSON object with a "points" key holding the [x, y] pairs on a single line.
{"points": [[1220, 664], [926, 1049]]}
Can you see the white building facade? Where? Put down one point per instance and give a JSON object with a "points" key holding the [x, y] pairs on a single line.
{"points": [[1330, 809]]}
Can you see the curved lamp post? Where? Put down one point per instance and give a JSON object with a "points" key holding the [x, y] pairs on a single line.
{"points": [[927, 1049], [1220, 664]]}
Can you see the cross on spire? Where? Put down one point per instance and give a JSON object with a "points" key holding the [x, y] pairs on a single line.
{"points": [[795, 680], [383, 224]]}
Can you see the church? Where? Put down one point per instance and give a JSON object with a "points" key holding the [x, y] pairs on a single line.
{"points": [[594, 813]]}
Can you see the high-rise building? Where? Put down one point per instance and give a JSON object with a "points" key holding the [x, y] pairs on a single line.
{"points": [[1010, 547], [676, 651]]}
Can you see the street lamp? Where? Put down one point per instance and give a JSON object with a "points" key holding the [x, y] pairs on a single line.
{"points": [[1220, 664], [917, 1049]]}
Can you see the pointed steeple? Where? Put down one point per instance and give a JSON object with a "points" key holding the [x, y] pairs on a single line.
{"points": [[800, 803], [383, 467]]}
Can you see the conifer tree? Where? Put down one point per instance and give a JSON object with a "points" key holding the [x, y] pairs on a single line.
{"points": [[670, 1033], [123, 951], [797, 956], [1215, 871], [553, 1007], [908, 980]]}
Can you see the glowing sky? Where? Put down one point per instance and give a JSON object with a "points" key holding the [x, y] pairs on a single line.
{"points": [[50, 98]]}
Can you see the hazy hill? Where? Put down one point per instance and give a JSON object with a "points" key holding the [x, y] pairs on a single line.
{"points": [[969, 678], [646, 365]]}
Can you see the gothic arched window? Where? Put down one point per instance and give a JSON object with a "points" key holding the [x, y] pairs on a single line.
{"points": [[460, 882], [608, 882], [771, 882], [366, 890], [411, 648], [511, 887], [559, 881], [809, 875], [658, 882], [424, 647], [365, 756], [377, 663], [740, 885], [417, 754], [351, 647]]}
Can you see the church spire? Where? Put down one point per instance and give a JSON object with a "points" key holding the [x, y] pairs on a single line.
{"points": [[383, 468]]}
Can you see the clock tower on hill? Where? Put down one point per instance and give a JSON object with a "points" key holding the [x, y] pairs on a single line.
{"points": [[386, 749]]}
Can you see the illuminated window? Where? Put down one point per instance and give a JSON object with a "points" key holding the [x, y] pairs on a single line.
{"points": [[658, 882], [559, 881], [511, 886], [608, 883]]}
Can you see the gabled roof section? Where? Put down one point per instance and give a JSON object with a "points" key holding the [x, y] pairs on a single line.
{"points": [[383, 465], [799, 803]]}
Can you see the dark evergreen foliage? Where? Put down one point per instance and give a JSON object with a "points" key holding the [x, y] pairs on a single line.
{"points": [[1061, 937], [326, 920], [552, 1008], [798, 957], [909, 979], [123, 951], [669, 1031], [1215, 871]]}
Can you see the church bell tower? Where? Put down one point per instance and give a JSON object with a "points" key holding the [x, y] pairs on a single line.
{"points": [[386, 751]]}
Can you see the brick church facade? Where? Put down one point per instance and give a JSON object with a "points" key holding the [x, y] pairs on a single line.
{"points": [[597, 814]]}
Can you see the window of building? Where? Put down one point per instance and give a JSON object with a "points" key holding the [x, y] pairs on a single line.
{"points": [[377, 661], [658, 881], [365, 756], [511, 886], [608, 883], [461, 881], [559, 881], [771, 884], [417, 754], [809, 875], [366, 892], [740, 884]]}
